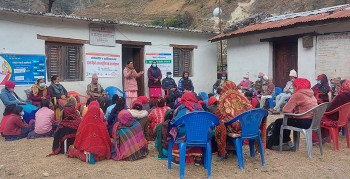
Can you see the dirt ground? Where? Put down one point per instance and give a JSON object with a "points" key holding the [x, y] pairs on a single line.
{"points": [[27, 159]]}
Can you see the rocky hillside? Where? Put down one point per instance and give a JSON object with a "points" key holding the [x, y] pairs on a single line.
{"points": [[194, 14]]}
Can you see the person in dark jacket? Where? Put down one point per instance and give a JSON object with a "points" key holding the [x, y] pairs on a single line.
{"points": [[185, 83], [169, 84], [56, 89], [220, 82], [8, 95], [154, 76]]}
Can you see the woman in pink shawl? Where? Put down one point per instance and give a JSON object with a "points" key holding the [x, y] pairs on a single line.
{"points": [[245, 84]]}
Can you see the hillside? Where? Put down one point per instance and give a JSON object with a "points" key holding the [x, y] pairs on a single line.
{"points": [[193, 14]]}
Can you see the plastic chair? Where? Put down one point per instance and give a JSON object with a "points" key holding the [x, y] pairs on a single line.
{"points": [[79, 103], [344, 115], [27, 92], [197, 128], [278, 91], [318, 112], [89, 157], [250, 122], [111, 90]]}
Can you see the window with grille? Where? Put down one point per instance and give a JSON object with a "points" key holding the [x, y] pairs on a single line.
{"points": [[65, 61], [182, 61]]}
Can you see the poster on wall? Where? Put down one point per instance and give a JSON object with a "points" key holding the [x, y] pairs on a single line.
{"points": [[102, 35], [104, 65], [164, 62], [22, 69]]}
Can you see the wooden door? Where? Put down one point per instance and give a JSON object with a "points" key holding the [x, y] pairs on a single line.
{"points": [[285, 59], [137, 55]]}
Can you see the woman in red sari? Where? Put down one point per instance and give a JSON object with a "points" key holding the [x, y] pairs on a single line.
{"points": [[156, 117], [92, 136], [231, 103]]}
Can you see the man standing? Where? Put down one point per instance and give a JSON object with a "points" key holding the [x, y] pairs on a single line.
{"points": [[94, 89]]}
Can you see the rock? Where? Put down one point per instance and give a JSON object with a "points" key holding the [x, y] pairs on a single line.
{"points": [[1, 167], [46, 174], [21, 175], [248, 21]]}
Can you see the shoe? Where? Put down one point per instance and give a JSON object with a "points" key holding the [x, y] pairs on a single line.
{"points": [[271, 110], [197, 162], [173, 161], [285, 147]]}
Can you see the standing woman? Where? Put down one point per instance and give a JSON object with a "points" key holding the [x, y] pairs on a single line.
{"points": [[38, 92], [130, 83], [57, 90], [154, 76]]}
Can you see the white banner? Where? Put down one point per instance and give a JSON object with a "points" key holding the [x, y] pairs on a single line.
{"points": [[102, 35], [164, 62], [104, 65]]}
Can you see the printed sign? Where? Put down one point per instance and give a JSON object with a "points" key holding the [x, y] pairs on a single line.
{"points": [[102, 35], [104, 65], [22, 69], [164, 62]]}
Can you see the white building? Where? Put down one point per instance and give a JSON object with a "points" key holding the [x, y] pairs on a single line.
{"points": [[314, 42], [65, 40]]}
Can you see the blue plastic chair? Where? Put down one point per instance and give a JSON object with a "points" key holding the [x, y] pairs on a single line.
{"points": [[111, 90], [213, 91], [278, 91], [250, 122], [197, 128]]}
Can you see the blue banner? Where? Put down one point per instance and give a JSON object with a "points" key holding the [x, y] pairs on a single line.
{"points": [[22, 69]]}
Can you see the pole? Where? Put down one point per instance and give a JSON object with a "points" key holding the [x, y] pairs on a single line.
{"points": [[220, 26]]}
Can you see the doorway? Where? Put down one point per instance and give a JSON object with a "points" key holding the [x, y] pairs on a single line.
{"points": [[285, 58], [135, 53]]}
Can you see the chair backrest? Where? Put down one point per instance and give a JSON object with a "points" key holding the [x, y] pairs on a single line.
{"points": [[344, 114], [318, 112], [111, 90], [197, 126], [250, 122], [79, 97]]}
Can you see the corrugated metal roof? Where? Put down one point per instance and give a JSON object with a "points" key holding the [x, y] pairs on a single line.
{"points": [[291, 20]]}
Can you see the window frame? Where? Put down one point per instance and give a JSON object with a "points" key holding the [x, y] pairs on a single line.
{"points": [[182, 49]]}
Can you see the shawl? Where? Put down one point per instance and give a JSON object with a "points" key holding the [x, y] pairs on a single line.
{"points": [[155, 72], [212, 100], [93, 86], [189, 99], [58, 89], [323, 87], [345, 87], [231, 103], [301, 83], [244, 83], [71, 118], [35, 88], [92, 135]]}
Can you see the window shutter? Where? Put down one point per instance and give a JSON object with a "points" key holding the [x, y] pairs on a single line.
{"points": [[176, 62], [73, 65], [187, 56], [53, 60]]}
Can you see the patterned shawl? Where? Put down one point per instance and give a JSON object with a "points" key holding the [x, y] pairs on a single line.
{"points": [[323, 87]]}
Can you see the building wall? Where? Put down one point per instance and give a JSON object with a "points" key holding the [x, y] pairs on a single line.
{"points": [[20, 37]]}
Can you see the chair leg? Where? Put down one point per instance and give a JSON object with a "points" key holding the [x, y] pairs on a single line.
{"points": [[343, 131], [239, 152], [347, 135], [308, 140], [170, 152], [320, 140], [251, 148], [205, 157], [281, 138], [208, 159], [334, 134], [261, 151], [182, 148], [270, 103], [296, 139]]}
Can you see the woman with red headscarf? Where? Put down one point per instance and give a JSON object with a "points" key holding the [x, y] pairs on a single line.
{"points": [[156, 117], [189, 103], [302, 100], [94, 103], [92, 136], [321, 89]]}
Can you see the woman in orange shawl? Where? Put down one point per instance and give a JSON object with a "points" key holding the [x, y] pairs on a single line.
{"points": [[92, 136], [231, 103]]}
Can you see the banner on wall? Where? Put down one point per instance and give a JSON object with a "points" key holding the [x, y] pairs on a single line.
{"points": [[22, 69], [104, 65], [102, 35], [164, 61]]}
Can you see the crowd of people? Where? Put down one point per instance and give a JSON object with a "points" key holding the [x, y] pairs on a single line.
{"points": [[120, 129]]}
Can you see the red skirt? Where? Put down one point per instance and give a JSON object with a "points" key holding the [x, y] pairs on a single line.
{"points": [[155, 92]]}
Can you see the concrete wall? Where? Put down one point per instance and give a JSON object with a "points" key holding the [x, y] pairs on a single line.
{"points": [[19, 36]]}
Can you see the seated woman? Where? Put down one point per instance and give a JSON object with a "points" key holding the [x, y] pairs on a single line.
{"points": [[189, 103], [169, 101], [111, 107], [219, 82], [93, 103], [140, 116], [152, 105], [245, 84], [212, 104], [71, 101], [6, 115], [335, 86], [113, 117], [15, 128], [38, 92], [156, 117], [231, 103], [128, 139], [254, 102], [144, 100], [45, 124], [161, 143], [321, 89], [301, 101], [58, 91], [92, 136], [66, 129]]}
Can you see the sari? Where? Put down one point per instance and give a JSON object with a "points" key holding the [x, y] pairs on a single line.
{"points": [[66, 129], [128, 140], [92, 136], [231, 103], [322, 89]]}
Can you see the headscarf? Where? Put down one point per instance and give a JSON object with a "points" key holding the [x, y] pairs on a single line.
{"points": [[92, 135], [204, 96], [345, 87], [136, 102], [189, 99], [125, 118], [71, 101], [324, 86], [71, 118], [212, 100], [35, 88], [144, 99], [231, 103], [301, 83], [155, 72], [10, 84], [96, 104]]}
